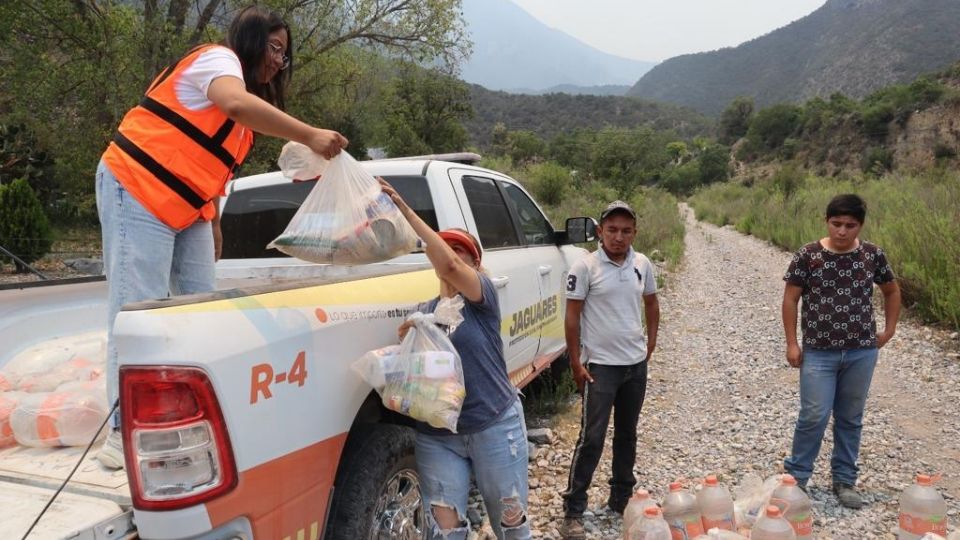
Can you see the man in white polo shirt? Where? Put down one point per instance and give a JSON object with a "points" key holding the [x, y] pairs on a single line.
{"points": [[611, 298]]}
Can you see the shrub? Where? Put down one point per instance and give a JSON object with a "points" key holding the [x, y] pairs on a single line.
{"points": [[24, 228], [550, 182], [773, 125], [877, 161]]}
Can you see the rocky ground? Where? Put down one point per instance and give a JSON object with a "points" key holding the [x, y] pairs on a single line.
{"points": [[722, 400]]}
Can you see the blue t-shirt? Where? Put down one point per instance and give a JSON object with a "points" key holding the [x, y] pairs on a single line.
{"points": [[478, 342]]}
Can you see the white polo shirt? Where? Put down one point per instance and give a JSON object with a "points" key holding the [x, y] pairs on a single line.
{"points": [[611, 323]]}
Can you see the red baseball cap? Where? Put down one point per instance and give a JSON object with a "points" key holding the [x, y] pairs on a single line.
{"points": [[452, 236]]}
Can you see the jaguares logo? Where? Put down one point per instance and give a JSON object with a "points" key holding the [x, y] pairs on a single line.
{"points": [[531, 316]]}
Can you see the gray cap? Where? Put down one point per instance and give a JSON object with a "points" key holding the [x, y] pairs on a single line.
{"points": [[617, 206]]}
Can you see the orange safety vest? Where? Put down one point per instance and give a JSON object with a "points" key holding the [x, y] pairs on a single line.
{"points": [[172, 160]]}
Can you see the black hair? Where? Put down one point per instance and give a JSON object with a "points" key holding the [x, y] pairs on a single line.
{"points": [[247, 36], [847, 205]]}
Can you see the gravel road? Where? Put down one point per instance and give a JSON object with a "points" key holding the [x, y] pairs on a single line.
{"points": [[722, 400]]}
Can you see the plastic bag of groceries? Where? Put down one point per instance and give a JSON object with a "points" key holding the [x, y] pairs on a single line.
{"points": [[346, 219], [422, 377], [68, 417], [43, 367], [299, 162]]}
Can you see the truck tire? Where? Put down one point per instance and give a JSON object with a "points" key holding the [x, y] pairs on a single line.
{"points": [[377, 493]]}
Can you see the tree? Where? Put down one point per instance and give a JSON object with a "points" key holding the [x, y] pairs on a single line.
{"points": [[735, 119], [714, 164], [425, 113], [525, 146], [24, 228], [773, 125]]}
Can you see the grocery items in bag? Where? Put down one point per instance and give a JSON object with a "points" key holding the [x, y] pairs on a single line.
{"points": [[74, 369], [62, 418], [716, 505], [639, 502], [795, 506], [682, 513], [8, 402], [422, 377], [650, 526], [922, 510], [772, 526], [346, 219]]}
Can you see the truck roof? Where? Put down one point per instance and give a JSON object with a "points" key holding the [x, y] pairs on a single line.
{"points": [[414, 165]]}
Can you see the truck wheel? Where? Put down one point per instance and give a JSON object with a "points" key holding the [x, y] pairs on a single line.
{"points": [[377, 494]]}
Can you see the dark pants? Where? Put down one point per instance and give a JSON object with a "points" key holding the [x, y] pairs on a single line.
{"points": [[622, 389]]}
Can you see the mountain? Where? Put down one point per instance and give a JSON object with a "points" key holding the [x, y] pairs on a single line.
{"points": [[514, 51], [551, 114], [848, 46]]}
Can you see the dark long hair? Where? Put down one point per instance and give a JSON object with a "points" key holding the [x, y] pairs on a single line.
{"points": [[247, 36]]}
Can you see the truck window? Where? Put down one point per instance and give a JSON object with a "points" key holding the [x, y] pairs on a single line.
{"points": [[253, 217], [494, 224], [534, 226]]}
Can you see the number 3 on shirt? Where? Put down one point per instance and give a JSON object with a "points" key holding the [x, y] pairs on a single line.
{"points": [[571, 283]]}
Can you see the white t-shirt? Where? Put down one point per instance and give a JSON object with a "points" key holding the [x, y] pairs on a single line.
{"points": [[194, 82], [611, 322]]}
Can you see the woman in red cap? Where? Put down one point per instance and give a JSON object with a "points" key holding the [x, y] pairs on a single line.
{"points": [[491, 437]]}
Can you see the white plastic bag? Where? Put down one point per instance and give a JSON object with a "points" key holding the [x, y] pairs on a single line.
{"points": [[61, 418], [346, 219], [422, 377], [299, 162], [8, 402], [751, 498]]}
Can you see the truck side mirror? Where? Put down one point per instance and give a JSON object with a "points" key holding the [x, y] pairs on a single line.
{"points": [[580, 230]]}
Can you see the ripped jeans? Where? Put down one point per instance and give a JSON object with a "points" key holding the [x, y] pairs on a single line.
{"points": [[497, 457]]}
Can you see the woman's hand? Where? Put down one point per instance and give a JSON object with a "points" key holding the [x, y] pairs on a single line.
{"points": [[394, 196], [404, 328], [327, 143]]}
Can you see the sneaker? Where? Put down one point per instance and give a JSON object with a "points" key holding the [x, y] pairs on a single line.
{"points": [[847, 495], [572, 529], [111, 453]]}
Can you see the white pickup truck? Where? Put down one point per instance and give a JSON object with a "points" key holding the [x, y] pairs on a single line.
{"points": [[242, 418]]}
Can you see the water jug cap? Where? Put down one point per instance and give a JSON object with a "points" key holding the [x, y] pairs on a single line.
{"points": [[711, 480], [641, 494], [924, 480], [773, 511], [676, 486], [788, 480], [651, 511]]}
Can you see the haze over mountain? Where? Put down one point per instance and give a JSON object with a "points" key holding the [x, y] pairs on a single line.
{"points": [[513, 51], [848, 46]]}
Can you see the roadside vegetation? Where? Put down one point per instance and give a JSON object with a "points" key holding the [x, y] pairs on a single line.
{"points": [[915, 218]]}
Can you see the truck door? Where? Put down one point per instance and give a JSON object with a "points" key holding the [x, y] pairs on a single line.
{"points": [[487, 214], [537, 236]]}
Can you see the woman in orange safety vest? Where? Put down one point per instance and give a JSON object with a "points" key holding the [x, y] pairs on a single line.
{"points": [[158, 183]]}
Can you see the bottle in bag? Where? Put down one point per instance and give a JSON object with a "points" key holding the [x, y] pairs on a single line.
{"points": [[795, 506], [716, 505], [681, 513], [650, 526], [772, 526], [635, 506], [922, 510]]}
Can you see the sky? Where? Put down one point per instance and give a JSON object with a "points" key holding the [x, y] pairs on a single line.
{"points": [[648, 29]]}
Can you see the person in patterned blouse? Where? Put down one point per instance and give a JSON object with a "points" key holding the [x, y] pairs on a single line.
{"points": [[835, 277]]}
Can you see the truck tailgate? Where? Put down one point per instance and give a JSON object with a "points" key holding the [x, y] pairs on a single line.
{"points": [[30, 476]]}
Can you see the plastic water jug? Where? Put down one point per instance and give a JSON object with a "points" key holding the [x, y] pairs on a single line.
{"points": [[650, 526], [795, 506], [922, 510], [720, 534], [716, 505], [634, 511], [772, 526], [681, 512]]}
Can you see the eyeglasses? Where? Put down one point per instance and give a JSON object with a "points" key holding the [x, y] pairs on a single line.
{"points": [[277, 52]]}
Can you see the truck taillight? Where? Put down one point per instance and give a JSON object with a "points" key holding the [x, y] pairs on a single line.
{"points": [[175, 440]]}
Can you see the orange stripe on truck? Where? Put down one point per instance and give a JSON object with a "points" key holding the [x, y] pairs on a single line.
{"points": [[285, 495]]}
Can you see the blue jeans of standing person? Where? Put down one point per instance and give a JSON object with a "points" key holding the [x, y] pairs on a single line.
{"points": [[837, 382], [145, 259], [621, 389], [497, 457]]}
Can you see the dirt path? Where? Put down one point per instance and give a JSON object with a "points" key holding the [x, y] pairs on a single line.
{"points": [[722, 399]]}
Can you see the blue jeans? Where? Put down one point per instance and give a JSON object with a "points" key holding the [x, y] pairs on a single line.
{"points": [[497, 457], [145, 259], [834, 381]]}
